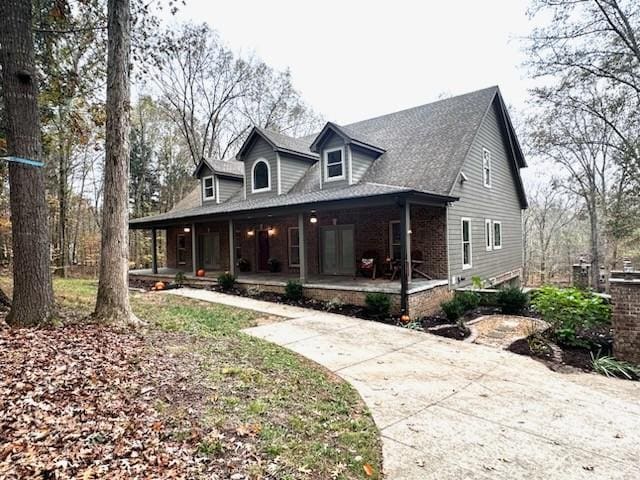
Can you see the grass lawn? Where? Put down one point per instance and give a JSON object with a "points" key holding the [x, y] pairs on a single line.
{"points": [[239, 405]]}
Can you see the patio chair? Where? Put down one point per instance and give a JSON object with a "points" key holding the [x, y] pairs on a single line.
{"points": [[368, 264], [417, 260]]}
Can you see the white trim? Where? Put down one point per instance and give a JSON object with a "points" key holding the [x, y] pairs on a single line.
{"points": [[447, 207], [487, 152], [391, 238], [493, 230], [253, 167], [350, 163], [342, 163], [217, 189], [278, 172], [488, 235], [289, 246], [466, 266], [204, 189]]}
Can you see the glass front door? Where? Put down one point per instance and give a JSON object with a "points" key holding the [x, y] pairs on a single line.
{"points": [[337, 250]]}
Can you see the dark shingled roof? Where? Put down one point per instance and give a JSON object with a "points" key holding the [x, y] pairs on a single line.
{"points": [[424, 150]]}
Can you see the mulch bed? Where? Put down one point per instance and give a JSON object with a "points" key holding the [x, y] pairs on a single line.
{"points": [[456, 332], [79, 402]]}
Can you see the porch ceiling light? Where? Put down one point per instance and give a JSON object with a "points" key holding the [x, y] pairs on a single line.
{"points": [[313, 218], [186, 229], [250, 233], [271, 231]]}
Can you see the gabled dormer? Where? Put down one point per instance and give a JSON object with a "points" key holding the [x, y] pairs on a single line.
{"points": [[344, 155], [219, 180], [273, 162]]}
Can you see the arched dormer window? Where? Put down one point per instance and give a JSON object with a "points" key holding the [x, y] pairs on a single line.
{"points": [[261, 174]]}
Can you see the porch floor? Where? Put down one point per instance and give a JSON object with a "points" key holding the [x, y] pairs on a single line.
{"points": [[329, 282]]}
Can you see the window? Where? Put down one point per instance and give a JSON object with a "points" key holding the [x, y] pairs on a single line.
{"points": [[207, 188], [294, 247], [334, 164], [181, 252], [260, 177], [488, 234], [466, 243], [486, 167], [394, 240], [497, 235]]}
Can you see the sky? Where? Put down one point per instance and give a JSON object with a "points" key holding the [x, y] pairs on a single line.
{"points": [[355, 59]]}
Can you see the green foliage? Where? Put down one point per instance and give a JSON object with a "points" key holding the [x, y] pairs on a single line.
{"points": [[226, 281], [469, 300], [610, 367], [179, 279], [512, 300], [453, 309], [293, 290], [378, 304], [477, 282], [570, 311]]}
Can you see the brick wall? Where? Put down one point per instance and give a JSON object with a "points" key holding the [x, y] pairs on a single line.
{"points": [[624, 288]]}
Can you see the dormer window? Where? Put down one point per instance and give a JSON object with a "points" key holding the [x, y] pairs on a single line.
{"points": [[208, 192], [260, 177], [334, 164]]}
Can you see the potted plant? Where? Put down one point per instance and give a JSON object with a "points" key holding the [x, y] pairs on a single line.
{"points": [[274, 265], [244, 265]]}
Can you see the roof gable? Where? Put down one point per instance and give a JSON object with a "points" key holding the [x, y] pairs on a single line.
{"points": [[347, 134], [220, 167], [279, 142]]}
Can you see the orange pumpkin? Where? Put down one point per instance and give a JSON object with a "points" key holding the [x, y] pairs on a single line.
{"points": [[159, 286], [200, 272], [405, 319]]}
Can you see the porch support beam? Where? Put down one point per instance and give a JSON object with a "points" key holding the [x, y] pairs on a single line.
{"points": [[154, 251], [194, 253], [302, 249], [232, 249], [405, 254]]}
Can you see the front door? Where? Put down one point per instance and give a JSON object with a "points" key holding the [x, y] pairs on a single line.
{"points": [[209, 248], [263, 250], [337, 257]]}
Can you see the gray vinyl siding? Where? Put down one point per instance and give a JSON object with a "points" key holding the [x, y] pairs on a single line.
{"points": [[227, 188], [261, 149], [291, 171], [334, 141], [360, 163], [477, 202]]}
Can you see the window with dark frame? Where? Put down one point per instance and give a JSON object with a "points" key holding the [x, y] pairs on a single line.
{"points": [[294, 247], [181, 250], [395, 240], [335, 166], [260, 176]]}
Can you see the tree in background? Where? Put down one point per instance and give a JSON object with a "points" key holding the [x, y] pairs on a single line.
{"points": [[32, 289], [112, 304]]}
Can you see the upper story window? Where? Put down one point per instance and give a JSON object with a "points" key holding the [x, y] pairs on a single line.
{"points": [[334, 164], [260, 177], [208, 191], [486, 167]]}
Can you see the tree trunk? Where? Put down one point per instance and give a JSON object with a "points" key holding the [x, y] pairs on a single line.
{"points": [[112, 303], [32, 290]]}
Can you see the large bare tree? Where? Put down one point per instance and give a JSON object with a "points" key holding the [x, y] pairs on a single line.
{"points": [[112, 303], [32, 289]]}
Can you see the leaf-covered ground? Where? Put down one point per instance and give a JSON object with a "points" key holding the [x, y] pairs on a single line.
{"points": [[189, 397]]}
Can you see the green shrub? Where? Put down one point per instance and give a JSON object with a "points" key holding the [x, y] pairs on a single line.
{"points": [[453, 309], [570, 311], [378, 304], [179, 279], [611, 367], [293, 290], [469, 300], [512, 300], [226, 281]]}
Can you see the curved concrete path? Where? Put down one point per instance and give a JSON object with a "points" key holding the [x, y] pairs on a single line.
{"points": [[453, 410]]}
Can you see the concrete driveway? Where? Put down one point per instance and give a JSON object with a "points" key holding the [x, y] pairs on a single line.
{"points": [[452, 410]]}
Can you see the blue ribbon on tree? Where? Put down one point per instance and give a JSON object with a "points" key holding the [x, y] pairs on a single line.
{"points": [[24, 161]]}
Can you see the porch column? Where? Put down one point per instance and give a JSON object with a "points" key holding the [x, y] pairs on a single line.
{"points": [[232, 249], [302, 249], [405, 254], [154, 251], [194, 253]]}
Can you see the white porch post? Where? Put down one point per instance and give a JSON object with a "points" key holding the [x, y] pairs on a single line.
{"points": [[302, 250], [232, 249], [154, 251], [194, 253]]}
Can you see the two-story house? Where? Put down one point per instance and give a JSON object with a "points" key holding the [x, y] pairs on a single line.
{"points": [[433, 194]]}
